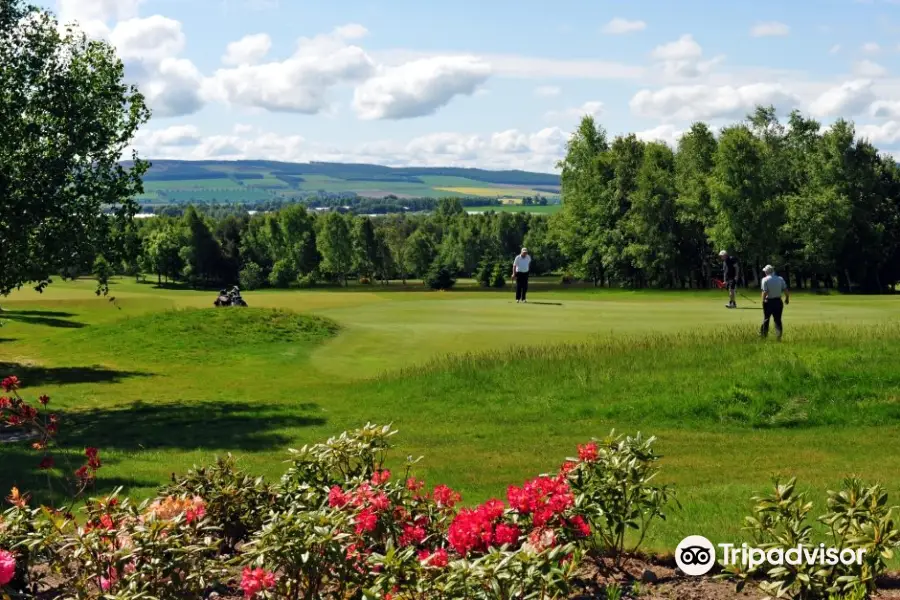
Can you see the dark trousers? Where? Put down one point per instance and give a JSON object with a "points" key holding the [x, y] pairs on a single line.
{"points": [[772, 309], [521, 285]]}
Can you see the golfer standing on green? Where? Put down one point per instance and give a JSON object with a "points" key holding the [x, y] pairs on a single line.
{"points": [[521, 265], [773, 288]]}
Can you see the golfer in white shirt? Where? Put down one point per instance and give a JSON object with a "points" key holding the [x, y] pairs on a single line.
{"points": [[773, 289], [521, 265]]}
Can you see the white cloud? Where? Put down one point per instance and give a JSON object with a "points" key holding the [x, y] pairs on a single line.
{"points": [[683, 58], [174, 89], [149, 40], [882, 109], [845, 100], [869, 69], [351, 31], [692, 102], [248, 50], [519, 66], [593, 108], [770, 29], [871, 48], [620, 26], [887, 133], [299, 84], [684, 48], [668, 134], [418, 88], [181, 136], [97, 10], [547, 91], [835, 49]]}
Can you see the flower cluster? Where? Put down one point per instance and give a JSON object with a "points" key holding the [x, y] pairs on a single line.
{"points": [[7, 562], [544, 498], [171, 508], [254, 581]]}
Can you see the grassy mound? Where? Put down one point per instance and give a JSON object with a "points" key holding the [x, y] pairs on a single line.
{"points": [[202, 333]]}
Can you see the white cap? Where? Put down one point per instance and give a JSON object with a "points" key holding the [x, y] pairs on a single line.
{"points": [[524, 249], [768, 269], [723, 253]]}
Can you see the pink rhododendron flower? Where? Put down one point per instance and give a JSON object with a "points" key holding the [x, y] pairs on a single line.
{"points": [[110, 580], [381, 477], [437, 559], [506, 534], [7, 566], [337, 498], [366, 521], [445, 497], [256, 580], [580, 525], [587, 452]]}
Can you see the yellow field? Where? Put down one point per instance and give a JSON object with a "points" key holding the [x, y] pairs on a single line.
{"points": [[487, 192]]}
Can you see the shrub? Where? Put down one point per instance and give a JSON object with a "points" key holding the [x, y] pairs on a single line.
{"points": [[612, 480], [567, 279], [251, 276], [283, 273], [858, 517], [309, 280], [236, 503], [498, 276], [485, 273], [163, 550], [440, 277]]}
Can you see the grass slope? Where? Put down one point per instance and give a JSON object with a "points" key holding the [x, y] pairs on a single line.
{"points": [[488, 391]]}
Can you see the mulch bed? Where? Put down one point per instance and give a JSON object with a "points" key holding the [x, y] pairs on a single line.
{"points": [[657, 579]]}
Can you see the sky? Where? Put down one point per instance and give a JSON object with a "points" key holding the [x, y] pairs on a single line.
{"points": [[497, 84]]}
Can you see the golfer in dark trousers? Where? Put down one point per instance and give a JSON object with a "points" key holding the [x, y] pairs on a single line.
{"points": [[775, 296], [521, 265]]}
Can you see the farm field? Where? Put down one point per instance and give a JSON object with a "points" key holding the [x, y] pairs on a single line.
{"points": [[182, 181], [548, 209], [488, 391]]}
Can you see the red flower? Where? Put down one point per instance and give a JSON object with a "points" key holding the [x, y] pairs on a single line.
{"points": [[107, 522], [413, 535], [587, 452], [52, 429], [4, 402], [380, 503], [580, 525], [29, 412], [15, 420], [506, 534], [46, 463], [437, 559], [542, 539], [257, 580], [414, 485], [10, 383], [471, 530], [567, 467], [337, 498], [83, 474], [366, 521], [53, 418], [44, 400], [445, 497], [493, 509], [380, 477], [91, 452]]}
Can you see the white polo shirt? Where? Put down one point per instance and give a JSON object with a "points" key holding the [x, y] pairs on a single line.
{"points": [[774, 285], [522, 263]]}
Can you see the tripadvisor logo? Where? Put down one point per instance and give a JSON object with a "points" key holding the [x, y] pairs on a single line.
{"points": [[696, 555]]}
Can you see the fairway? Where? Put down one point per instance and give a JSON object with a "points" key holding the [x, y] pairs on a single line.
{"points": [[487, 390]]}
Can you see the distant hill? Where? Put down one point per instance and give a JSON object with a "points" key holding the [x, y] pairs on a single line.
{"points": [[175, 181]]}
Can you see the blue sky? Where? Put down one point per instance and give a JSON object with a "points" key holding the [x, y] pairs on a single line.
{"points": [[492, 83]]}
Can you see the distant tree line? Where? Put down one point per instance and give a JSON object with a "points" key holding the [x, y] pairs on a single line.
{"points": [[823, 206]]}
